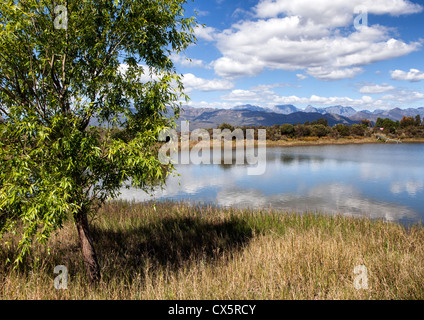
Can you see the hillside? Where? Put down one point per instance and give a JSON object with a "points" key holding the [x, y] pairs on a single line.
{"points": [[213, 118], [249, 115]]}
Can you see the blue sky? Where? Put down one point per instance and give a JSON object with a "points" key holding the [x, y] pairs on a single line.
{"points": [[303, 52]]}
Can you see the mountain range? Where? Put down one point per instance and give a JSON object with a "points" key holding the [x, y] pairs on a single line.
{"points": [[251, 115]]}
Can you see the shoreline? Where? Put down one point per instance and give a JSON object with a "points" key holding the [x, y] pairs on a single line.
{"points": [[311, 142], [342, 141]]}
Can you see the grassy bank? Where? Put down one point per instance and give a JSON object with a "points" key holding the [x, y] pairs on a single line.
{"points": [[339, 141], [315, 141], [175, 251]]}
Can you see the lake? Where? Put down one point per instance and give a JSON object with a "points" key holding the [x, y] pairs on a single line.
{"points": [[374, 180]]}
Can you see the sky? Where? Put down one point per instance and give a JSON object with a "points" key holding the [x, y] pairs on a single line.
{"points": [[366, 54]]}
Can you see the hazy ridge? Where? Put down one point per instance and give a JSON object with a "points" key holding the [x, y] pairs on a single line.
{"points": [[249, 115]]}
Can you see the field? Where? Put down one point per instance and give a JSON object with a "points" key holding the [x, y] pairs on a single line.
{"points": [[177, 251]]}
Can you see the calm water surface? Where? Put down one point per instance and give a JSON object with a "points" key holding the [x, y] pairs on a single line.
{"points": [[379, 181]]}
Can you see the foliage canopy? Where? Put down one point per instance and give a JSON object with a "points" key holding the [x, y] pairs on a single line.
{"points": [[108, 62]]}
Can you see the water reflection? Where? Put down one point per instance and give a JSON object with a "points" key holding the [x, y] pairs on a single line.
{"points": [[410, 187], [295, 158], [330, 199], [378, 181]]}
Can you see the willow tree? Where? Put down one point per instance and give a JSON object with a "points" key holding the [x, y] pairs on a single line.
{"points": [[64, 64]]}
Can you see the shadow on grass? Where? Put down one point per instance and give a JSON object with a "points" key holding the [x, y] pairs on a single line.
{"points": [[171, 243]]}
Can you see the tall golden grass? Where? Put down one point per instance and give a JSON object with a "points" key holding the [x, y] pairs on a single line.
{"points": [[177, 251]]}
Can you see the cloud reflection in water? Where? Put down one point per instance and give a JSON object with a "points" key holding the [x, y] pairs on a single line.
{"points": [[378, 181], [329, 199]]}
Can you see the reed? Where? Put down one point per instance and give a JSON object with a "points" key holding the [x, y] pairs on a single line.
{"points": [[169, 250]]}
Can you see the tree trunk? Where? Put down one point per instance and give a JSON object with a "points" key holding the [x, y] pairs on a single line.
{"points": [[88, 252]]}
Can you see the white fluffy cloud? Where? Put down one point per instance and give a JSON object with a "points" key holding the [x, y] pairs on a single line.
{"points": [[191, 82], [327, 101], [211, 104], [329, 74], [266, 97], [231, 68], [292, 35], [375, 89], [413, 75], [396, 98], [188, 62], [205, 33], [336, 13], [404, 96], [242, 95], [269, 98]]}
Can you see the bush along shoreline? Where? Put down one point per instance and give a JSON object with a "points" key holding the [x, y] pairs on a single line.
{"points": [[407, 129]]}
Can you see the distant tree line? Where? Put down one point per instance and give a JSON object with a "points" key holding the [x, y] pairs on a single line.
{"points": [[408, 127]]}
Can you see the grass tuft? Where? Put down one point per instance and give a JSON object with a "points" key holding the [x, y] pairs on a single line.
{"points": [[169, 250]]}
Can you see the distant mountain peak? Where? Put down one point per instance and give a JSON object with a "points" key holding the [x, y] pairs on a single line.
{"points": [[255, 115], [248, 107], [341, 111], [285, 109], [311, 109]]}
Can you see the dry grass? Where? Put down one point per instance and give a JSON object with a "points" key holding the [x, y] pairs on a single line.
{"points": [[311, 141], [177, 251]]}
